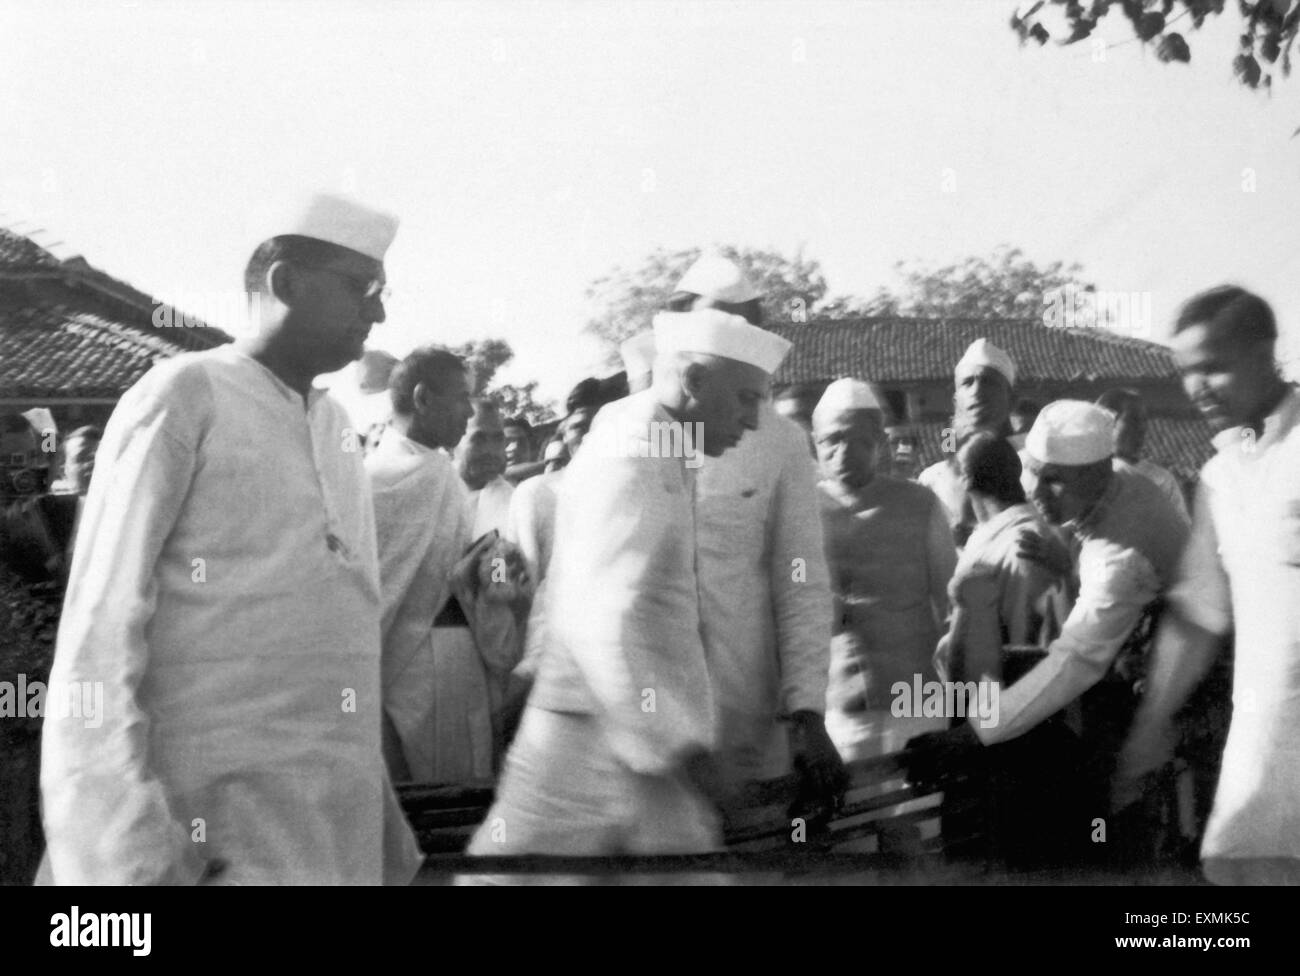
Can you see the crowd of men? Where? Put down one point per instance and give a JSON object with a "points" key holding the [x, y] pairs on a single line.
{"points": [[290, 608]]}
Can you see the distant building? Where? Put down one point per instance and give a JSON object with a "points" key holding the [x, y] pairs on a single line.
{"points": [[912, 361], [73, 339]]}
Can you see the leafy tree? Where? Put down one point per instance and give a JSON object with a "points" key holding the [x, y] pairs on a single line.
{"points": [[1268, 30], [485, 357], [629, 299], [1005, 285], [517, 400]]}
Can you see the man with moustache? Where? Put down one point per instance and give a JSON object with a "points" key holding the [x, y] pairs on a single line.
{"points": [[231, 618], [1241, 572]]}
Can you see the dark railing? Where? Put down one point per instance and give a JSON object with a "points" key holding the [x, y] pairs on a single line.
{"points": [[771, 835]]}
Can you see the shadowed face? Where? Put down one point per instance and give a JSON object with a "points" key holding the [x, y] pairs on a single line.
{"points": [[982, 400], [1064, 492], [1227, 381], [481, 453], [725, 396], [519, 446], [848, 446], [332, 314]]}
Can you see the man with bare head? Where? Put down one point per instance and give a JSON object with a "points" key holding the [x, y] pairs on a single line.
{"points": [[481, 461], [1241, 572]]}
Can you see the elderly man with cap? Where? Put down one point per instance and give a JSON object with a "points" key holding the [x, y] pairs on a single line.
{"points": [[764, 586], [983, 381], [1127, 539], [891, 554], [1241, 571], [231, 619], [616, 749]]}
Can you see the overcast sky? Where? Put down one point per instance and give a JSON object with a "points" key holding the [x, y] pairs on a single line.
{"points": [[529, 148]]}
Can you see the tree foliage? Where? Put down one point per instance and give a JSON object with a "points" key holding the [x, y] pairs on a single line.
{"points": [[1004, 285], [627, 300], [1268, 32], [485, 357]]}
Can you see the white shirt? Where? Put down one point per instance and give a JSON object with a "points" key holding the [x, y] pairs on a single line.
{"points": [[423, 529], [225, 594], [764, 591], [623, 602], [489, 507], [1129, 544], [1242, 570]]}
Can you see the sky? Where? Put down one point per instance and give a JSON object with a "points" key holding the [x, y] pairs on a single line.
{"points": [[530, 148]]}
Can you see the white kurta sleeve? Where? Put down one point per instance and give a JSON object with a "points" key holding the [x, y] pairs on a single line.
{"points": [[800, 581], [1201, 592], [108, 819], [1113, 590], [624, 602]]}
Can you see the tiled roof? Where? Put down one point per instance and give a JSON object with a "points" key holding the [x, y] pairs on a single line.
{"points": [[68, 329], [887, 350], [1181, 444], [19, 253]]}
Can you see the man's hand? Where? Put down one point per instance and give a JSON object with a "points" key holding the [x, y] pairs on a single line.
{"points": [[928, 757], [823, 779], [1146, 751], [1046, 552], [702, 771]]}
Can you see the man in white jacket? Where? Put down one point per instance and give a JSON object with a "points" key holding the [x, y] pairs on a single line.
{"points": [[616, 749], [224, 596]]}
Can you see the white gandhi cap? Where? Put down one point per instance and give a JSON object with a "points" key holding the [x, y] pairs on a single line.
{"points": [[843, 396], [982, 353], [1072, 432], [714, 276], [717, 333], [343, 221]]}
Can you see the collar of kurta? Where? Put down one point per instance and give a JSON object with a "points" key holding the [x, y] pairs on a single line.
{"points": [[314, 395], [393, 441], [1276, 425]]}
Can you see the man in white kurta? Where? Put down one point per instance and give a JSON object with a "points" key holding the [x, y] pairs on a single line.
{"points": [[225, 595], [614, 751], [436, 704], [764, 588], [764, 593], [1241, 572]]}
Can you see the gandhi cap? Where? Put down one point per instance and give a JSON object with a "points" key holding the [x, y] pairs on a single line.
{"points": [[1072, 432]]}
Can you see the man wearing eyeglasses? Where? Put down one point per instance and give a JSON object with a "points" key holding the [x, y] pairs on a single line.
{"points": [[224, 595]]}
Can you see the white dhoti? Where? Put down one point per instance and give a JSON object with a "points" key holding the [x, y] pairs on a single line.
{"points": [[564, 792]]}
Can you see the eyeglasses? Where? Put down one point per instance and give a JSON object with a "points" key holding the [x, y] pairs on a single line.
{"points": [[366, 288]]}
